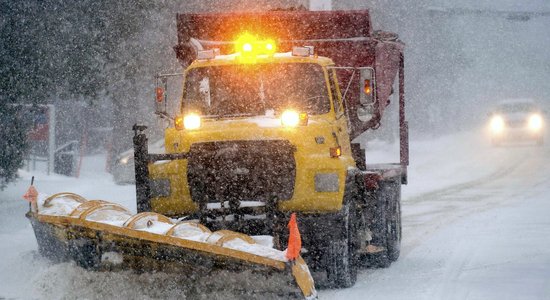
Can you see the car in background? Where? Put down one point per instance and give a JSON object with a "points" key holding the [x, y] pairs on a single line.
{"points": [[515, 121], [123, 169]]}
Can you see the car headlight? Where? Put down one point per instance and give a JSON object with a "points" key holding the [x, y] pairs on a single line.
{"points": [[124, 160], [535, 122], [497, 124]]}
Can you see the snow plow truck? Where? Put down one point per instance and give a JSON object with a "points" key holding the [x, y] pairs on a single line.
{"points": [[262, 145]]}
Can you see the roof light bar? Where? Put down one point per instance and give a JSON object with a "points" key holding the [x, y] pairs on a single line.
{"points": [[250, 46]]}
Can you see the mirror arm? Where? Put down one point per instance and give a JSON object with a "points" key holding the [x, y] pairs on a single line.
{"points": [[163, 114]]}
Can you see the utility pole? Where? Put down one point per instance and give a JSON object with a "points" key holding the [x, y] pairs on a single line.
{"points": [[51, 138]]}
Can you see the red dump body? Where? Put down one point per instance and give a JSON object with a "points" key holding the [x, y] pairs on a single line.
{"points": [[344, 36]]}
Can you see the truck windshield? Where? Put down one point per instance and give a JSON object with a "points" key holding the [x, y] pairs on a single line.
{"points": [[252, 90]]}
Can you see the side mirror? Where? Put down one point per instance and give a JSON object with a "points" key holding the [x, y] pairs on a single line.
{"points": [[367, 91], [160, 95], [162, 107], [367, 94]]}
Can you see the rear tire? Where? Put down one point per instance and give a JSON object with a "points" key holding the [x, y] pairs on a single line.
{"points": [[341, 254], [387, 222], [394, 223]]}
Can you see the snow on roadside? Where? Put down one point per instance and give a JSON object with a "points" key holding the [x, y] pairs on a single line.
{"points": [[21, 266]]}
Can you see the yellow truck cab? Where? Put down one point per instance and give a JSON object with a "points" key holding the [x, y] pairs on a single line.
{"points": [[232, 104]]}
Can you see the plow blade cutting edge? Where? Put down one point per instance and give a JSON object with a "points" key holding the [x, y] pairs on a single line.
{"points": [[104, 236]]}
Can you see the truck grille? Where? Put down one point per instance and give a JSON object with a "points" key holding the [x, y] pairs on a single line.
{"points": [[241, 170]]}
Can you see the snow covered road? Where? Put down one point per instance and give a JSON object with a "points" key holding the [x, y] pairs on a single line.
{"points": [[475, 226], [487, 237]]}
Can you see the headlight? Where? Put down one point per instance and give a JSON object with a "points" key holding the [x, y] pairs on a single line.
{"points": [[290, 118], [535, 122], [191, 121], [497, 124]]}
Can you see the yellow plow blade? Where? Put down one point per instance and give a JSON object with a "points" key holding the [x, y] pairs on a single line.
{"points": [[105, 236]]}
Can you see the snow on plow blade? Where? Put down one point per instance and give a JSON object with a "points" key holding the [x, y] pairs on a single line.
{"points": [[105, 236]]}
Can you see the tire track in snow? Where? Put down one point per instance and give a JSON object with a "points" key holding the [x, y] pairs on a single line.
{"points": [[444, 206]]}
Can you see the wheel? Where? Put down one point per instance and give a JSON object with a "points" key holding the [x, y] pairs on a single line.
{"points": [[386, 225], [341, 254], [393, 237]]}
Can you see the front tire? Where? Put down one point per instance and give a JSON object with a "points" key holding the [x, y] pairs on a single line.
{"points": [[341, 254]]}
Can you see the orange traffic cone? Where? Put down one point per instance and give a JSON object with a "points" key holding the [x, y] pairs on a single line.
{"points": [[294, 239]]}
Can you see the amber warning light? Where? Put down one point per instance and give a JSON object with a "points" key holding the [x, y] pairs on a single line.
{"points": [[249, 45], [368, 88]]}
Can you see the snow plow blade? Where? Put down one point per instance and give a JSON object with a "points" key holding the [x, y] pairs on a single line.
{"points": [[104, 236]]}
